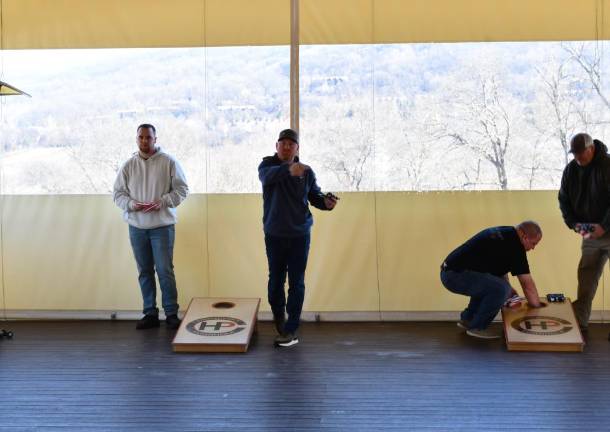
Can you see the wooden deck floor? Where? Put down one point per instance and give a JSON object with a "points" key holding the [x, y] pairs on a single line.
{"points": [[106, 376]]}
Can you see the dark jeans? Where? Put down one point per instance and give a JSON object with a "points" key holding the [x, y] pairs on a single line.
{"points": [[487, 295], [154, 249], [287, 255]]}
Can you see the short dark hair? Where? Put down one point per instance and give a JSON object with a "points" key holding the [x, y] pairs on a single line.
{"points": [[530, 228], [147, 126]]}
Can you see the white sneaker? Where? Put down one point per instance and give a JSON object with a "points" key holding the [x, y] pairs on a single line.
{"points": [[463, 324], [484, 334], [286, 340]]}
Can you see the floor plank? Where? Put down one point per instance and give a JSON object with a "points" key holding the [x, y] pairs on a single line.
{"points": [[106, 376]]}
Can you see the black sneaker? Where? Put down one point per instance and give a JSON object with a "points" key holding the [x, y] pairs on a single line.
{"points": [[279, 321], [172, 322], [286, 340], [148, 321]]}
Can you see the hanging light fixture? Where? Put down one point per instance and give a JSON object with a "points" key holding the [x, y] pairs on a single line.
{"points": [[6, 89], [9, 90]]}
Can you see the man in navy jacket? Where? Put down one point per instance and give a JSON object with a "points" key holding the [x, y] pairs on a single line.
{"points": [[288, 185]]}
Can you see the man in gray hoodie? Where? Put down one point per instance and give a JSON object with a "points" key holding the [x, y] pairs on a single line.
{"points": [[148, 188]]}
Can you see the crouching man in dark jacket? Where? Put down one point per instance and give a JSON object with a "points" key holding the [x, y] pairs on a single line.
{"points": [[288, 185], [479, 269], [584, 199]]}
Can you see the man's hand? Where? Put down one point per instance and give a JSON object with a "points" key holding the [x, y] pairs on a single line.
{"points": [[598, 231], [589, 231], [147, 206], [330, 201], [152, 206], [139, 206], [529, 290], [298, 169]]}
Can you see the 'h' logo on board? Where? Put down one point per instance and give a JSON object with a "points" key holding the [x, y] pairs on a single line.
{"points": [[542, 325], [216, 326]]}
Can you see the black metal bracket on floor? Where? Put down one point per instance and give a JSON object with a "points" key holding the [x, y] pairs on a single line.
{"points": [[6, 334]]}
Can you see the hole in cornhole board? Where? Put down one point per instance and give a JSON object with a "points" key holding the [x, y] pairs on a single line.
{"points": [[223, 305], [217, 325]]}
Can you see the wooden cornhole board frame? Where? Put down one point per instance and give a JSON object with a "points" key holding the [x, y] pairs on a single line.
{"points": [[550, 328], [213, 325]]}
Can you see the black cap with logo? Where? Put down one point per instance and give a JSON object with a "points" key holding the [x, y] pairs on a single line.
{"points": [[580, 142], [289, 134]]}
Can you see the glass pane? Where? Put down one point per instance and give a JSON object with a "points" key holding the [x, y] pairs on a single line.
{"points": [[248, 103], [337, 121], [479, 116], [80, 124]]}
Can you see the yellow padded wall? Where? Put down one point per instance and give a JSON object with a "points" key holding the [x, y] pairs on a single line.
{"points": [[342, 268], [237, 247], [72, 252], [251, 22], [336, 21], [488, 20], [36, 24], [341, 273], [418, 230], [603, 291], [400, 21]]}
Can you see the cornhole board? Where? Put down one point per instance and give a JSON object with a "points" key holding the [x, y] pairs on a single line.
{"points": [[549, 328], [217, 325]]}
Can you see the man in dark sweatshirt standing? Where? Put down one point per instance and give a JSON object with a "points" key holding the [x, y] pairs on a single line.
{"points": [[584, 199], [287, 186]]}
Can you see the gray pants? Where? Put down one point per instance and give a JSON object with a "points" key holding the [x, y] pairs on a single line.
{"points": [[592, 261]]}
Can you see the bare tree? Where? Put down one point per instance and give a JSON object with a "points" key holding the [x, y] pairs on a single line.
{"points": [[343, 133], [590, 62], [417, 148], [563, 107], [482, 125]]}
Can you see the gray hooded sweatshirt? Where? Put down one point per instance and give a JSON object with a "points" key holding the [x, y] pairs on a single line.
{"points": [[147, 180]]}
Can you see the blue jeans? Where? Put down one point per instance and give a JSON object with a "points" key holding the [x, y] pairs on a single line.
{"points": [[154, 249], [487, 295], [287, 255]]}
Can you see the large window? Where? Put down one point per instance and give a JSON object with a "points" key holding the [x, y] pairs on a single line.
{"points": [[79, 125], [337, 120], [413, 117], [468, 116], [217, 110], [459, 116]]}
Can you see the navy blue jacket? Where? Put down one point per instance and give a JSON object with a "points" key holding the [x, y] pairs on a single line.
{"points": [[285, 209]]}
